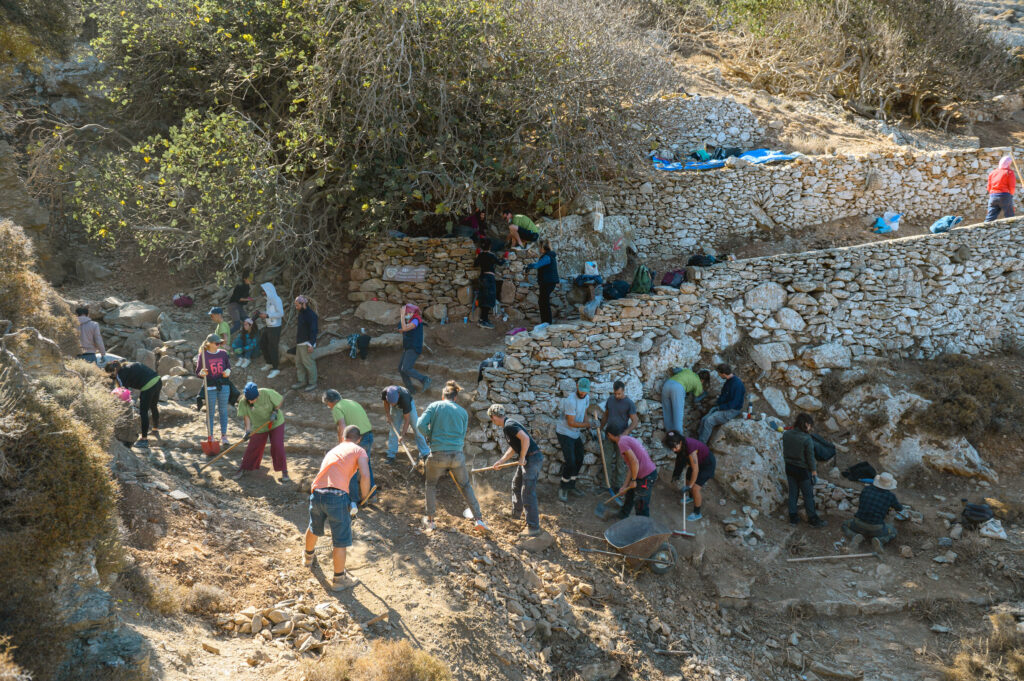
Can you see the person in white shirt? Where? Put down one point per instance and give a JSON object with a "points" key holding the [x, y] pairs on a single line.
{"points": [[270, 341]]}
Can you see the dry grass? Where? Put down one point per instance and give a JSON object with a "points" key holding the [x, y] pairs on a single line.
{"points": [[387, 661], [206, 599], [811, 145], [9, 671], [1000, 657], [84, 393], [160, 595]]}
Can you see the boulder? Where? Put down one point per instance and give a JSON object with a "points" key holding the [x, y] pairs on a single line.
{"points": [[191, 385], [600, 671], [767, 296], [777, 401], [952, 455], [89, 271], [378, 312], [38, 354], [766, 354], [667, 352], [876, 402], [603, 239], [828, 356], [15, 201], [720, 331], [169, 329], [167, 363], [147, 357], [134, 313], [436, 312], [790, 320], [749, 457]]}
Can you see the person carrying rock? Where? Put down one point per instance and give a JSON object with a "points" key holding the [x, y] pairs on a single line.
{"points": [[801, 469], [240, 295], [412, 347], [350, 413], [306, 331], [223, 329], [246, 343], [214, 364], [641, 473], [487, 261], [138, 376], [520, 229], [673, 395], [329, 501], [729, 404], [524, 483], [89, 337], [571, 422], [619, 413], [869, 521], [400, 412], [444, 424], [1002, 184], [700, 464], [258, 407], [270, 339], [547, 279]]}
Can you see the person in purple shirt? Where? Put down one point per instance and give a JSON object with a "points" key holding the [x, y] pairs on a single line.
{"points": [[641, 472], [700, 463], [214, 364]]}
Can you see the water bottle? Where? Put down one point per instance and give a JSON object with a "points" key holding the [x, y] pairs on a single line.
{"points": [[465, 320]]}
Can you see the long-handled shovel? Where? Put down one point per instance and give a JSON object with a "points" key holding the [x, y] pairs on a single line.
{"points": [[402, 443], [495, 468], [210, 446], [467, 512], [604, 466], [600, 509], [200, 469]]}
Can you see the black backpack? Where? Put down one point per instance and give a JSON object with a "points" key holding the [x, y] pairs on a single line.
{"points": [[860, 471], [823, 449], [701, 261], [614, 290], [976, 514]]}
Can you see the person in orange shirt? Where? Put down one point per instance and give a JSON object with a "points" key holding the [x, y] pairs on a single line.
{"points": [[1001, 185], [329, 501]]}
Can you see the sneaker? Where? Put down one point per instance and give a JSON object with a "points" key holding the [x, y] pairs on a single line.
{"points": [[485, 325], [353, 509], [857, 540], [274, 374], [266, 367], [426, 384], [390, 458], [694, 517], [342, 582], [576, 492], [481, 525], [876, 545], [142, 443], [309, 389], [285, 478], [428, 524], [296, 386], [686, 500], [224, 441], [238, 475], [818, 521], [531, 532], [308, 558], [563, 494]]}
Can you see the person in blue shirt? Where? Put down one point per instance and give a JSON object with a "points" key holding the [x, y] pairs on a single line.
{"points": [[729, 404], [547, 279], [412, 347], [306, 331]]}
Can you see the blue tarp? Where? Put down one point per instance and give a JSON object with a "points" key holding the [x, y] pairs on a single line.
{"points": [[752, 156]]}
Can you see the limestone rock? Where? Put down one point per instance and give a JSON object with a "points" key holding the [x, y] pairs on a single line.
{"points": [[167, 364], [603, 239], [750, 462], [777, 401], [828, 356], [766, 354], [38, 354], [378, 312], [877, 401], [767, 296], [146, 357], [89, 271], [169, 329], [134, 313], [953, 455], [600, 671], [720, 331], [667, 352], [790, 320]]}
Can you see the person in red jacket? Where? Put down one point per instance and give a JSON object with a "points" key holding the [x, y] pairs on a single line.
{"points": [[1001, 185]]}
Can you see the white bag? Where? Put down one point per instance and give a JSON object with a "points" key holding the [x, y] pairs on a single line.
{"points": [[590, 268], [993, 529]]}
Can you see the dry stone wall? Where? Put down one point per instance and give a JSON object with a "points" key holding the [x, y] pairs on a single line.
{"points": [[686, 122], [675, 211], [799, 317]]}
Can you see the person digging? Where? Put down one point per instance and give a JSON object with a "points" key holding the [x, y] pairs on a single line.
{"points": [[869, 521], [524, 482], [263, 405], [699, 462], [641, 473], [400, 413], [620, 413], [350, 413], [329, 502]]}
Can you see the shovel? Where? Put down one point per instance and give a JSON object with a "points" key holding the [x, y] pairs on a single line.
{"points": [[200, 469], [404, 448], [210, 446], [495, 468], [600, 509], [467, 512]]}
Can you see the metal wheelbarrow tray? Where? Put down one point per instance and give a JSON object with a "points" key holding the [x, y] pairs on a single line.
{"points": [[639, 541]]}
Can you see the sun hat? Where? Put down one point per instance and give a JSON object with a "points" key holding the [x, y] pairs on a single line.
{"points": [[251, 391], [884, 481]]}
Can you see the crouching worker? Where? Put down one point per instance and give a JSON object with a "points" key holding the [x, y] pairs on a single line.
{"points": [[869, 520], [700, 465], [261, 409], [641, 473], [329, 502]]}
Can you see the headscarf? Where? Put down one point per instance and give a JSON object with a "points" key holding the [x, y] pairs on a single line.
{"points": [[1005, 162], [414, 310], [302, 300]]}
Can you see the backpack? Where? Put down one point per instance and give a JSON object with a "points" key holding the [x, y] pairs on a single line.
{"points": [[643, 280], [614, 290], [823, 449], [860, 471], [674, 278], [976, 514], [701, 260]]}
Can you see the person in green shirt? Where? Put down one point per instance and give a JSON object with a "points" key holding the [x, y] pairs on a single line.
{"points": [[350, 413], [260, 408], [223, 328], [673, 395], [520, 229]]}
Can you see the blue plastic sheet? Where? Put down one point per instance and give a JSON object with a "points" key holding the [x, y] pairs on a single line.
{"points": [[752, 156]]}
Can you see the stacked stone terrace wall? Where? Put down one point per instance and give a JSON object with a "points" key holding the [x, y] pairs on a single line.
{"points": [[675, 211], [799, 317], [686, 122]]}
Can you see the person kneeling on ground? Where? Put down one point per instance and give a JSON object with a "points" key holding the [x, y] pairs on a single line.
{"points": [[641, 475], [444, 424], [869, 520], [801, 469], [700, 463], [329, 501], [262, 406], [350, 413], [524, 482], [729, 404]]}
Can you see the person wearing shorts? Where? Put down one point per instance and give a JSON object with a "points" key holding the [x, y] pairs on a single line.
{"points": [[521, 230], [329, 503]]}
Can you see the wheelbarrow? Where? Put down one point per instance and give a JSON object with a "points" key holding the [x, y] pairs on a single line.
{"points": [[639, 541]]}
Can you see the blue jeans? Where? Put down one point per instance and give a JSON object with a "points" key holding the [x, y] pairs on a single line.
{"points": [[366, 442], [88, 357], [217, 401], [396, 419], [405, 368], [999, 202], [715, 417], [524, 490], [800, 482], [331, 508]]}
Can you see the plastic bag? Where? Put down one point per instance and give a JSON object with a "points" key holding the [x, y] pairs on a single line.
{"points": [[889, 222], [590, 268], [123, 394], [993, 529]]}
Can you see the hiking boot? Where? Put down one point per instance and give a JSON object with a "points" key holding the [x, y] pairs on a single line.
{"points": [[876, 545], [141, 443], [577, 492], [342, 582], [274, 374], [531, 532], [309, 389], [285, 478], [308, 558], [296, 386], [485, 325], [694, 517], [794, 519], [426, 384], [817, 521], [563, 495]]}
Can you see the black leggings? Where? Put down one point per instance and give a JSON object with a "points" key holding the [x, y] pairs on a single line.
{"points": [[544, 301], [271, 345], [148, 400]]}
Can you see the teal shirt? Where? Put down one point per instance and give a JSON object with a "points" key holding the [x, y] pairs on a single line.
{"points": [[444, 425]]}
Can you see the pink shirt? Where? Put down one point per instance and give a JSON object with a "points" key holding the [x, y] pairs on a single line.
{"points": [[646, 466], [338, 467]]}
